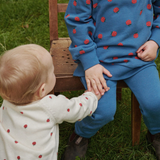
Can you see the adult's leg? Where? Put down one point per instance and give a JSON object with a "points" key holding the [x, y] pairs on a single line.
{"points": [[104, 113], [146, 87]]}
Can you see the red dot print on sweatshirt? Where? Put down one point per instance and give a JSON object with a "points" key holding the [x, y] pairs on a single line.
{"points": [[100, 36], [90, 33], [141, 12], [40, 156], [148, 24], [115, 58], [130, 54], [103, 19], [149, 6], [109, 0], [90, 112], [81, 51], [86, 41], [21, 112], [50, 97], [68, 110], [74, 31], [134, 1], [128, 22], [88, 1], [33, 143], [48, 120], [86, 98], [16, 142], [135, 35], [51, 134], [116, 10], [80, 104], [114, 33], [67, 15], [89, 17], [25, 126], [125, 60], [136, 57], [76, 19], [105, 47], [18, 157], [75, 3], [8, 130], [3, 107], [120, 44], [95, 5]]}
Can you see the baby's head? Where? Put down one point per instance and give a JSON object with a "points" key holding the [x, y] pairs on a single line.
{"points": [[26, 74]]}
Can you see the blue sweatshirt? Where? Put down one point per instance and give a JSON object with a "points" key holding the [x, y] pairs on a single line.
{"points": [[109, 32]]}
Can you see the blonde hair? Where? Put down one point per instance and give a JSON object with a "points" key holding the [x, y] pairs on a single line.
{"points": [[21, 73]]}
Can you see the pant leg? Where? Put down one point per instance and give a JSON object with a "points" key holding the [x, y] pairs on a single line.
{"points": [[104, 113], [146, 87]]}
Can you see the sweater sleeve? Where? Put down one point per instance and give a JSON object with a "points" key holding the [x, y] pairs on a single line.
{"points": [[71, 110], [81, 28], [156, 23]]}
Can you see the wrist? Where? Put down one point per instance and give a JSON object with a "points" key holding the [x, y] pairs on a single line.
{"points": [[155, 43]]}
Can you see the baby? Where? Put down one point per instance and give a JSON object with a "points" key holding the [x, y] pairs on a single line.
{"points": [[29, 115]]}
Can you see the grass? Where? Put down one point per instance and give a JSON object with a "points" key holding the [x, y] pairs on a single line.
{"points": [[26, 21]]}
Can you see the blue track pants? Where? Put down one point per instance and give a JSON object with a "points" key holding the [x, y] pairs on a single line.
{"points": [[146, 87]]}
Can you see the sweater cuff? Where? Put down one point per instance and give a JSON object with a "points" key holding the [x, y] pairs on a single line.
{"points": [[89, 59], [155, 36]]}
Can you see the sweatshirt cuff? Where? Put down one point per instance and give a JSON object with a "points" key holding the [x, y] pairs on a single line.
{"points": [[89, 59], [155, 36], [91, 94]]}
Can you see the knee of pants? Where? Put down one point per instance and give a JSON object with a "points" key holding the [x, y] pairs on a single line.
{"points": [[151, 106], [104, 115]]}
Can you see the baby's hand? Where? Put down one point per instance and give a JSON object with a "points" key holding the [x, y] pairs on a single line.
{"points": [[97, 95], [95, 79], [148, 51]]}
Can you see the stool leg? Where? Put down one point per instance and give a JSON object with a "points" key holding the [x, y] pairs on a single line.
{"points": [[136, 120], [119, 94]]}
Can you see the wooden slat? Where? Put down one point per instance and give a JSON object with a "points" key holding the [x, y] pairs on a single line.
{"points": [[62, 7], [62, 58], [53, 20], [70, 83], [136, 120], [61, 43]]}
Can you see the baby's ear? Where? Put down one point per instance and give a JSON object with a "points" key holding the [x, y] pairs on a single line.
{"points": [[41, 91]]}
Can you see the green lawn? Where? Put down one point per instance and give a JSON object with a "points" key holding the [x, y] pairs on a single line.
{"points": [[26, 21]]}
